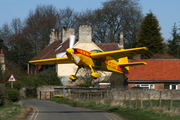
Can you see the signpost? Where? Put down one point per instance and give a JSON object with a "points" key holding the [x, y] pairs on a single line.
{"points": [[63, 80], [12, 79]]}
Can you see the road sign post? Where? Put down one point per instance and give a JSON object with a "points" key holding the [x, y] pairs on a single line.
{"points": [[63, 80], [11, 84], [12, 79]]}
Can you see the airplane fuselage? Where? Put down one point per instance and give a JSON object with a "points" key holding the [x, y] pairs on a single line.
{"points": [[108, 65]]}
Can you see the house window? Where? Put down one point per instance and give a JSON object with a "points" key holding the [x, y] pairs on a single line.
{"points": [[171, 86], [146, 86]]}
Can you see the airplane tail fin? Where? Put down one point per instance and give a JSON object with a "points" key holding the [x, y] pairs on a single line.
{"points": [[122, 61]]}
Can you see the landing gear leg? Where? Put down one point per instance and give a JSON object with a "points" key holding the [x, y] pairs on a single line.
{"points": [[73, 77], [94, 74]]}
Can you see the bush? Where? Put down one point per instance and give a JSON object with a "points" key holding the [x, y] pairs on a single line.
{"points": [[16, 85], [31, 92], [85, 85], [2, 94], [49, 77], [58, 96], [13, 95]]}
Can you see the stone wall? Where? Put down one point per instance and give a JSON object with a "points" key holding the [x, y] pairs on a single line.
{"points": [[154, 93], [49, 91], [45, 92]]}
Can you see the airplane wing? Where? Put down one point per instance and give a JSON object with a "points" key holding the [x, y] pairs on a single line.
{"points": [[51, 61], [118, 53]]}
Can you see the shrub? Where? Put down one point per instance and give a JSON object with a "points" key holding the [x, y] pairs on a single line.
{"points": [[85, 85], [31, 92], [16, 85], [2, 95], [13, 95], [58, 96], [49, 77]]}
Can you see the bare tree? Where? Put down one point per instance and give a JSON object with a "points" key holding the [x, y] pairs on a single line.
{"points": [[38, 25], [113, 17], [68, 18], [16, 25], [5, 33], [20, 51], [118, 80]]}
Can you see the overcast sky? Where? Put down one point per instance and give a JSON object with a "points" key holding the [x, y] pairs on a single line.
{"points": [[166, 11]]}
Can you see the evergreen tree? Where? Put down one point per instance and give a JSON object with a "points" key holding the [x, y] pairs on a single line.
{"points": [[173, 46], [150, 36]]}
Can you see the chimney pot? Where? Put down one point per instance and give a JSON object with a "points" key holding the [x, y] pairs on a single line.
{"points": [[1, 51], [121, 42]]}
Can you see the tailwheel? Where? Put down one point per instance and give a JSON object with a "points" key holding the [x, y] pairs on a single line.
{"points": [[73, 78], [95, 75]]}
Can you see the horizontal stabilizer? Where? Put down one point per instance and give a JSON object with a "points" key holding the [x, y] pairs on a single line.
{"points": [[132, 64]]}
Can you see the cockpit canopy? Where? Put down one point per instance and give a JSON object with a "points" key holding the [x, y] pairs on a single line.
{"points": [[95, 51]]}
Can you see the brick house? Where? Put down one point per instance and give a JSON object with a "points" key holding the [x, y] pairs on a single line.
{"points": [[59, 42], [157, 74]]}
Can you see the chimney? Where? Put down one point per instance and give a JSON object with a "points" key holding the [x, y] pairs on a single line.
{"points": [[55, 35], [1, 51], [66, 32], [121, 42], [2, 61], [85, 33]]}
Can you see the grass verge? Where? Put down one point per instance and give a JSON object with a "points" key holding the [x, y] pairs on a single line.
{"points": [[13, 111], [128, 113]]}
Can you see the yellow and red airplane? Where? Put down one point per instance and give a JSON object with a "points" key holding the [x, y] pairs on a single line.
{"points": [[95, 59]]}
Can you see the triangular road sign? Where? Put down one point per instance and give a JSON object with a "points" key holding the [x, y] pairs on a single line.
{"points": [[12, 78]]}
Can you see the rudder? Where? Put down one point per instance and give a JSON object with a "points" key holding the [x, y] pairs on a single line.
{"points": [[124, 60]]}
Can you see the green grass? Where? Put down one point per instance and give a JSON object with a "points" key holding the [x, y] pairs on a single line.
{"points": [[12, 111], [129, 113], [165, 104]]}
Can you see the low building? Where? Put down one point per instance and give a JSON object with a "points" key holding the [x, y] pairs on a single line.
{"points": [[157, 74], [102, 85]]}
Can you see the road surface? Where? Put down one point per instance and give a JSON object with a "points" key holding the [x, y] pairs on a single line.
{"points": [[47, 110]]}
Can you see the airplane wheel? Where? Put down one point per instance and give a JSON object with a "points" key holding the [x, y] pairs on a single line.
{"points": [[95, 75], [73, 80]]}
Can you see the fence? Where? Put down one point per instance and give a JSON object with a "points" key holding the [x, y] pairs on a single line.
{"points": [[137, 98]]}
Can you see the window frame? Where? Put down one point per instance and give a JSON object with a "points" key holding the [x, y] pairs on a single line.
{"points": [[146, 86]]}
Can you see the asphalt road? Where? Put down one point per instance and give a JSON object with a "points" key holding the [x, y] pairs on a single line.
{"points": [[47, 110]]}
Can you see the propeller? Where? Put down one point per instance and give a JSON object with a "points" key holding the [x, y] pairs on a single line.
{"points": [[72, 40], [71, 51]]}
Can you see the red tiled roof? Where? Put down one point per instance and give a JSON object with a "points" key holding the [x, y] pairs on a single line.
{"points": [[108, 46], [155, 70], [47, 51]]}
